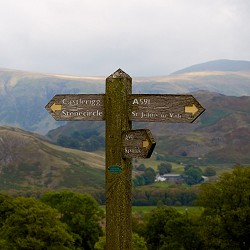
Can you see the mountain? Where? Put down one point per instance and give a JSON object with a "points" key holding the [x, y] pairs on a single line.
{"points": [[30, 162], [217, 65], [23, 95], [219, 136]]}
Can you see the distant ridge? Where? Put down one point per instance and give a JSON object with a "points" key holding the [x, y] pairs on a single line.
{"points": [[23, 95], [217, 65]]}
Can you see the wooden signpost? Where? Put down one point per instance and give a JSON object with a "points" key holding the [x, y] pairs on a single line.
{"points": [[138, 143], [119, 107], [73, 107], [164, 108]]}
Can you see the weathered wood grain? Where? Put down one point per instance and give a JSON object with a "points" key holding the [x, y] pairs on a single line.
{"points": [[138, 143], [74, 107], [118, 184], [163, 108]]}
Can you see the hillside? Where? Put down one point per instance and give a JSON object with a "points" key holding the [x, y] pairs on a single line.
{"points": [[231, 83], [23, 95], [30, 162], [217, 65], [219, 136]]}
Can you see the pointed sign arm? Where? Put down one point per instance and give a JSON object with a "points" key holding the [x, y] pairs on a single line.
{"points": [[138, 143]]}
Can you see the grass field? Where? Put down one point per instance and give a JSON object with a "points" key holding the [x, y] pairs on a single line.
{"points": [[153, 163], [181, 209], [93, 159]]}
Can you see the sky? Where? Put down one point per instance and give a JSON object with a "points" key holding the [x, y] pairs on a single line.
{"points": [[142, 37]]}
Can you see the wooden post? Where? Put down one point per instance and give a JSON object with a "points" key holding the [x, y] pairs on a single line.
{"points": [[118, 170]]}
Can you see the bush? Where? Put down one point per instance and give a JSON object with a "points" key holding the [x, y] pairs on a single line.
{"points": [[164, 168], [209, 171]]}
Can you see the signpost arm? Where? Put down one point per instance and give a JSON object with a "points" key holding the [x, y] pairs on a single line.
{"points": [[118, 184]]}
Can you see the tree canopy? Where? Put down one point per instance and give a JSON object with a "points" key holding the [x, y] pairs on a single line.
{"points": [[138, 243], [209, 171], [192, 175], [80, 212], [68, 220], [148, 177], [26, 223], [226, 219], [168, 229], [164, 168]]}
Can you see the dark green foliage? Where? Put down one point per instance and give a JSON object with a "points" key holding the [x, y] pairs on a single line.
{"points": [[84, 134], [81, 213], [209, 171], [138, 243], [149, 176], [26, 223], [141, 167], [150, 195], [87, 140], [226, 218], [68, 142], [138, 181], [192, 175], [72, 223], [164, 168], [168, 229]]}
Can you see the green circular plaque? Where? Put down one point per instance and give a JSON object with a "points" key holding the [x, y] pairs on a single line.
{"points": [[115, 169]]}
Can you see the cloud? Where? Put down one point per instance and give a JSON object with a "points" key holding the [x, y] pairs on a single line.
{"points": [[144, 37]]}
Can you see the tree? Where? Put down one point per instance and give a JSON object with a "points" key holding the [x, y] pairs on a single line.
{"points": [[138, 243], [164, 168], [27, 223], [192, 175], [81, 213], [168, 229], [66, 141], [138, 180], [101, 244], [209, 171], [226, 218], [149, 176], [141, 167], [88, 140]]}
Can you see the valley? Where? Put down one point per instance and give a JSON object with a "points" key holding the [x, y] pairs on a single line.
{"points": [[39, 153]]}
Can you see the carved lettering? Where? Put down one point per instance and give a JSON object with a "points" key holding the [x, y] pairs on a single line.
{"points": [[129, 137], [148, 115], [141, 101], [135, 101], [132, 150], [88, 102], [173, 115], [86, 113], [134, 114]]}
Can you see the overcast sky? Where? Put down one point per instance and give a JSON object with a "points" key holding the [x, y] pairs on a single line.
{"points": [[143, 37]]}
